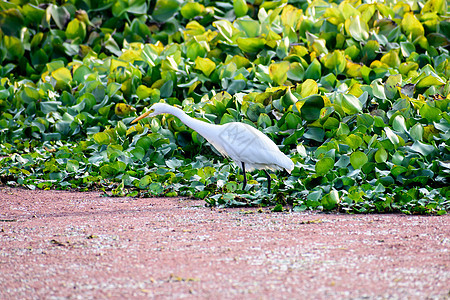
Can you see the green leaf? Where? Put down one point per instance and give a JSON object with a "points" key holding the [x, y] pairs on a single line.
{"points": [[331, 200], [192, 9], [288, 99], [138, 153], [392, 137], [390, 88], [432, 114], [324, 165], [72, 166], [314, 133], [278, 208], [392, 58], [296, 72], [143, 92], [264, 120], [11, 21], [225, 28], [251, 28], [350, 104], [399, 124], [145, 182], [369, 51], [49, 106], [381, 156], [331, 123], [240, 8], [311, 107], [108, 171], [358, 159], [39, 57], [164, 10], [76, 30], [251, 45], [314, 70], [167, 89], [79, 75], [397, 170], [13, 46], [357, 28], [407, 48], [424, 149], [292, 121], [352, 52], [301, 150], [354, 141], [430, 80], [121, 128], [59, 14], [236, 86], [144, 142], [335, 61], [378, 90], [416, 132]]}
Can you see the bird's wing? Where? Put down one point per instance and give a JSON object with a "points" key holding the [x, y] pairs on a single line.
{"points": [[244, 143]]}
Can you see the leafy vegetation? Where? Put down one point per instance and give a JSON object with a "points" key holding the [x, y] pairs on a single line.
{"points": [[356, 93]]}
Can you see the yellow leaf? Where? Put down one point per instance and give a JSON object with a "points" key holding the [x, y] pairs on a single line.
{"points": [[158, 47], [117, 63], [62, 76], [123, 109], [309, 87], [131, 55], [411, 26], [278, 72], [192, 87], [290, 16], [138, 127], [391, 58], [356, 90], [239, 61], [298, 50], [334, 16], [158, 84], [205, 65], [143, 92], [352, 69], [193, 28], [438, 6], [251, 45]]}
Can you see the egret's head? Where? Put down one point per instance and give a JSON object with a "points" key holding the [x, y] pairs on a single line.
{"points": [[155, 109]]}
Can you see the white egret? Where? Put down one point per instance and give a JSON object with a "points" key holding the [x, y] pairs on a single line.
{"points": [[248, 147]]}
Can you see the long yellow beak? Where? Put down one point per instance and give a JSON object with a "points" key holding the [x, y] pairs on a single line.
{"points": [[141, 117]]}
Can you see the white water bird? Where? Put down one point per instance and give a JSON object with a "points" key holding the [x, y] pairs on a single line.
{"points": [[248, 147]]}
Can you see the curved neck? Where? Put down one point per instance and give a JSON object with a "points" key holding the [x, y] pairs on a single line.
{"points": [[206, 130]]}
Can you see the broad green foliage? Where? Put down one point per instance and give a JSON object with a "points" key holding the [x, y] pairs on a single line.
{"points": [[356, 93]]}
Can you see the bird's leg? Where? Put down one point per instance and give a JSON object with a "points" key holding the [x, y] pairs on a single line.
{"points": [[245, 176], [268, 181]]}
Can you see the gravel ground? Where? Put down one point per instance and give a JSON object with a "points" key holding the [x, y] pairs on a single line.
{"points": [[59, 244]]}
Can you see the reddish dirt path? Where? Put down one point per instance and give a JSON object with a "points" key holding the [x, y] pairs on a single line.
{"points": [[56, 244]]}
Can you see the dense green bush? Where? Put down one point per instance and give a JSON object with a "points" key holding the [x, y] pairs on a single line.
{"points": [[357, 94]]}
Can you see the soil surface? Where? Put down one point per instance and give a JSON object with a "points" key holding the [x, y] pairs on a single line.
{"points": [[59, 244]]}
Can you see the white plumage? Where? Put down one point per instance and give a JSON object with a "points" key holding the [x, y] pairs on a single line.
{"points": [[248, 147]]}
